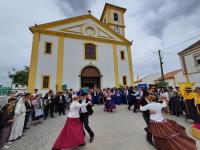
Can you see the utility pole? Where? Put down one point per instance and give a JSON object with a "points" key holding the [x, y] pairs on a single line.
{"points": [[161, 67]]}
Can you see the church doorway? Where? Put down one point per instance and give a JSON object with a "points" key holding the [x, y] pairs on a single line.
{"points": [[90, 77]]}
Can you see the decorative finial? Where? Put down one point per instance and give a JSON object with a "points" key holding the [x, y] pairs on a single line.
{"points": [[89, 11]]}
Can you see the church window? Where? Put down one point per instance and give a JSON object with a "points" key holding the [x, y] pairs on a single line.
{"points": [[116, 17], [48, 47], [124, 80], [122, 54], [90, 51], [45, 82]]}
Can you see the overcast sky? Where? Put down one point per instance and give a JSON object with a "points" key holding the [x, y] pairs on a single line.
{"points": [[151, 24]]}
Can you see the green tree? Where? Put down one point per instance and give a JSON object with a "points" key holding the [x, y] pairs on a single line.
{"points": [[19, 76], [160, 84]]}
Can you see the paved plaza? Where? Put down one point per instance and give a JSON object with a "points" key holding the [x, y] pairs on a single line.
{"points": [[121, 130]]}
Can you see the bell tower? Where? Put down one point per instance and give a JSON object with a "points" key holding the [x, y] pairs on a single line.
{"points": [[113, 17]]}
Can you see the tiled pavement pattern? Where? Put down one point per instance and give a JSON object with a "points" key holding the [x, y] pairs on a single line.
{"points": [[120, 130]]}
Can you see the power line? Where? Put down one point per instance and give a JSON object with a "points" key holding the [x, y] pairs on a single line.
{"points": [[175, 45]]}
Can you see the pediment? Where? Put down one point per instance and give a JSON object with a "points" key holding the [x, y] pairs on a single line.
{"points": [[86, 25]]}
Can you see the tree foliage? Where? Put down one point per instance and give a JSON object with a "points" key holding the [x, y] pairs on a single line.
{"points": [[19, 76], [161, 84]]}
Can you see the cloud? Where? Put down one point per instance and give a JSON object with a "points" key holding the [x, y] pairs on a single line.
{"points": [[74, 7], [157, 15]]}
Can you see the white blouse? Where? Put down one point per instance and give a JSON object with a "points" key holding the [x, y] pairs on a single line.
{"points": [[75, 107], [157, 107]]}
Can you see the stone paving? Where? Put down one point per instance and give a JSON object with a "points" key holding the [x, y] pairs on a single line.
{"points": [[121, 130]]}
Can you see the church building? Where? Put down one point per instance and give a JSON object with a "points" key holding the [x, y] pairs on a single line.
{"points": [[81, 51]]}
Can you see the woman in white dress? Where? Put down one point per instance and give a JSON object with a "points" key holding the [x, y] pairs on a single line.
{"points": [[167, 134], [73, 128], [18, 124]]}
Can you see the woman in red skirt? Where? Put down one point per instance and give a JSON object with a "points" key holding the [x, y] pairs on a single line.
{"points": [[166, 134], [72, 134]]}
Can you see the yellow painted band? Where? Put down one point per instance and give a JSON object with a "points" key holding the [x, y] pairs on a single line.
{"points": [[33, 63], [130, 66], [82, 37], [59, 74], [116, 71]]}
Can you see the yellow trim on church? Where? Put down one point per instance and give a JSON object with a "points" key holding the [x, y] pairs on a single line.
{"points": [[60, 55], [33, 63], [130, 66], [116, 71], [82, 37], [44, 29]]}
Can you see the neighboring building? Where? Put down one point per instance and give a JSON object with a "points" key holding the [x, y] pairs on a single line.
{"points": [[149, 79], [81, 51], [173, 78], [4, 90], [190, 61], [17, 87]]}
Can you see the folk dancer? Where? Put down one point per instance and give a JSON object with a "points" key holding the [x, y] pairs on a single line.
{"points": [[190, 108], [109, 103], [19, 118], [167, 134], [49, 104], [85, 112], [6, 120], [73, 128]]}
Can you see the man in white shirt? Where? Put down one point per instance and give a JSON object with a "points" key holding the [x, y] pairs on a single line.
{"points": [[84, 115]]}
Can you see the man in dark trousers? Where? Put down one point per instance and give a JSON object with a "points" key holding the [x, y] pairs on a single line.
{"points": [[84, 115], [29, 108], [131, 99], [146, 114], [49, 104], [60, 99]]}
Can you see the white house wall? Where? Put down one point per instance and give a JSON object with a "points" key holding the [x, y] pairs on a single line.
{"points": [[190, 64], [74, 62], [123, 66], [193, 71], [47, 64]]}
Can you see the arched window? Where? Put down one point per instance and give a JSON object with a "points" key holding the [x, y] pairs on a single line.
{"points": [[90, 51]]}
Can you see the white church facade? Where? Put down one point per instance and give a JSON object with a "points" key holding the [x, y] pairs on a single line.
{"points": [[81, 51]]}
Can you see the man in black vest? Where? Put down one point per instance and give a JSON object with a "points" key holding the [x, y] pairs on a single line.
{"points": [[49, 104], [84, 115], [60, 99]]}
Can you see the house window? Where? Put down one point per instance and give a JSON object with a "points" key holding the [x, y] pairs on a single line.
{"points": [[116, 17], [90, 51], [48, 47], [124, 80], [122, 55], [45, 82], [197, 60]]}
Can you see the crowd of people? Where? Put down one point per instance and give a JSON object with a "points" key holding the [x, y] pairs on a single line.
{"points": [[24, 109]]}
